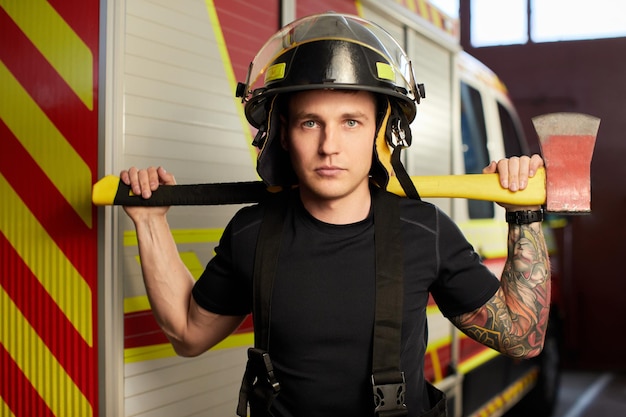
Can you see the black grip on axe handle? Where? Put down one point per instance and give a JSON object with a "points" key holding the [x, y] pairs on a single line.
{"points": [[195, 194]]}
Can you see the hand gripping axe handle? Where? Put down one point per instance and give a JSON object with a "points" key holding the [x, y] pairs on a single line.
{"points": [[567, 141]]}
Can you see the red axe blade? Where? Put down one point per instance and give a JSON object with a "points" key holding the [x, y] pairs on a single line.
{"points": [[567, 141]]}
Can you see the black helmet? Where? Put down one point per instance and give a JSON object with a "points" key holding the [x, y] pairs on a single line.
{"points": [[324, 51]]}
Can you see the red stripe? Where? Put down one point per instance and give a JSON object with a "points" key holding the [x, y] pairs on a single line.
{"points": [[470, 348], [246, 327], [429, 371], [141, 329], [340, 6], [48, 321], [17, 391], [58, 101]]}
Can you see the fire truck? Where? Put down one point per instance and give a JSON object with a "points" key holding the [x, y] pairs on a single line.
{"points": [[90, 87]]}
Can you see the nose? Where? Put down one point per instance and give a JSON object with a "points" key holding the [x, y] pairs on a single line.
{"points": [[329, 141]]}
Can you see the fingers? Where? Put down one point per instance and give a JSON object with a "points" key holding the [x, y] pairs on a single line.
{"points": [[514, 172], [536, 162], [144, 181], [491, 168]]}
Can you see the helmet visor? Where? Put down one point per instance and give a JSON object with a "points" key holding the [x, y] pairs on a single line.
{"points": [[395, 66]]}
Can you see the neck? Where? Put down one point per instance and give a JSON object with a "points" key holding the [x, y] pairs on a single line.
{"points": [[342, 210]]}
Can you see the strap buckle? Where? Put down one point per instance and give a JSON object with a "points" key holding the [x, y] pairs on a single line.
{"points": [[389, 397], [263, 368]]}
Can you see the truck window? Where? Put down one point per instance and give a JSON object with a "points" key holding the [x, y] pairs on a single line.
{"points": [[475, 153], [512, 140]]}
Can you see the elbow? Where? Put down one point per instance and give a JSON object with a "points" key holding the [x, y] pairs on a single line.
{"points": [[183, 346], [523, 351], [526, 355], [188, 353], [186, 350], [182, 342], [533, 353]]}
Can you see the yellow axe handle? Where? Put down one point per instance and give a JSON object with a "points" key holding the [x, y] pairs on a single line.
{"points": [[111, 191], [476, 187]]}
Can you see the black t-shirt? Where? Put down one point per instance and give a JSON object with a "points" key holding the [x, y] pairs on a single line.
{"points": [[323, 300]]}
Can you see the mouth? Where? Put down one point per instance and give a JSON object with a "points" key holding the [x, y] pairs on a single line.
{"points": [[328, 171]]}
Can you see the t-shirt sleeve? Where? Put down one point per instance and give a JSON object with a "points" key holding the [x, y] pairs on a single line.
{"points": [[464, 282], [225, 286]]}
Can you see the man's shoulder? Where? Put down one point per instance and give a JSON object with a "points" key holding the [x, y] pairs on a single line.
{"points": [[249, 218], [421, 213]]}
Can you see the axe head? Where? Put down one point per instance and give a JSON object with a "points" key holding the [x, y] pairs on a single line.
{"points": [[567, 141]]}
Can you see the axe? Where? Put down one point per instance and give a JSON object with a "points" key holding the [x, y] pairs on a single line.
{"points": [[563, 186]]}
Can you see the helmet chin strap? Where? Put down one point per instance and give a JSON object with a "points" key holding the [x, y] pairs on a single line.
{"points": [[399, 137], [403, 177], [394, 132]]}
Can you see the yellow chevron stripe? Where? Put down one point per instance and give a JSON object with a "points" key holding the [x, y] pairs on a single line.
{"points": [[475, 361], [57, 42], [433, 345], [359, 7], [434, 357], [43, 141], [148, 353], [191, 261], [38, 364], [510, 396], [138, 303], [47, 262], [432, 309], [5, 411]]}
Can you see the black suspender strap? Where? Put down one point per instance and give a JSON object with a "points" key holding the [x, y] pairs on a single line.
{"points": [[260, 386], [265, 266], [387, 380]]}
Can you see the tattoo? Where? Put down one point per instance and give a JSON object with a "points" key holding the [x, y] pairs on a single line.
{"points": [[514, 321]]}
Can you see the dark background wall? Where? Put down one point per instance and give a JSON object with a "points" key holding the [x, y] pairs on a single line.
{"points": [[587, 77]]}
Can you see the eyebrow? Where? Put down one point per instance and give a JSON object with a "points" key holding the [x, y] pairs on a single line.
{"points": [[346, 115]]}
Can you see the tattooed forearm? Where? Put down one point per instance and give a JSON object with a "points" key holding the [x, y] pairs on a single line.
{"points": [[514, 321]]}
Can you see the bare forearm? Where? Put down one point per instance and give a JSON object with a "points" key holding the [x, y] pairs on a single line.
{"points": [[514, 321], [168, 282]]}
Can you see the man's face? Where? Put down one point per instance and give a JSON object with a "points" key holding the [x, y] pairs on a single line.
{"points": [[330, 138]]}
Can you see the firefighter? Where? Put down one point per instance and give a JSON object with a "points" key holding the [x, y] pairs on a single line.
{"points": [[338, 271]]}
